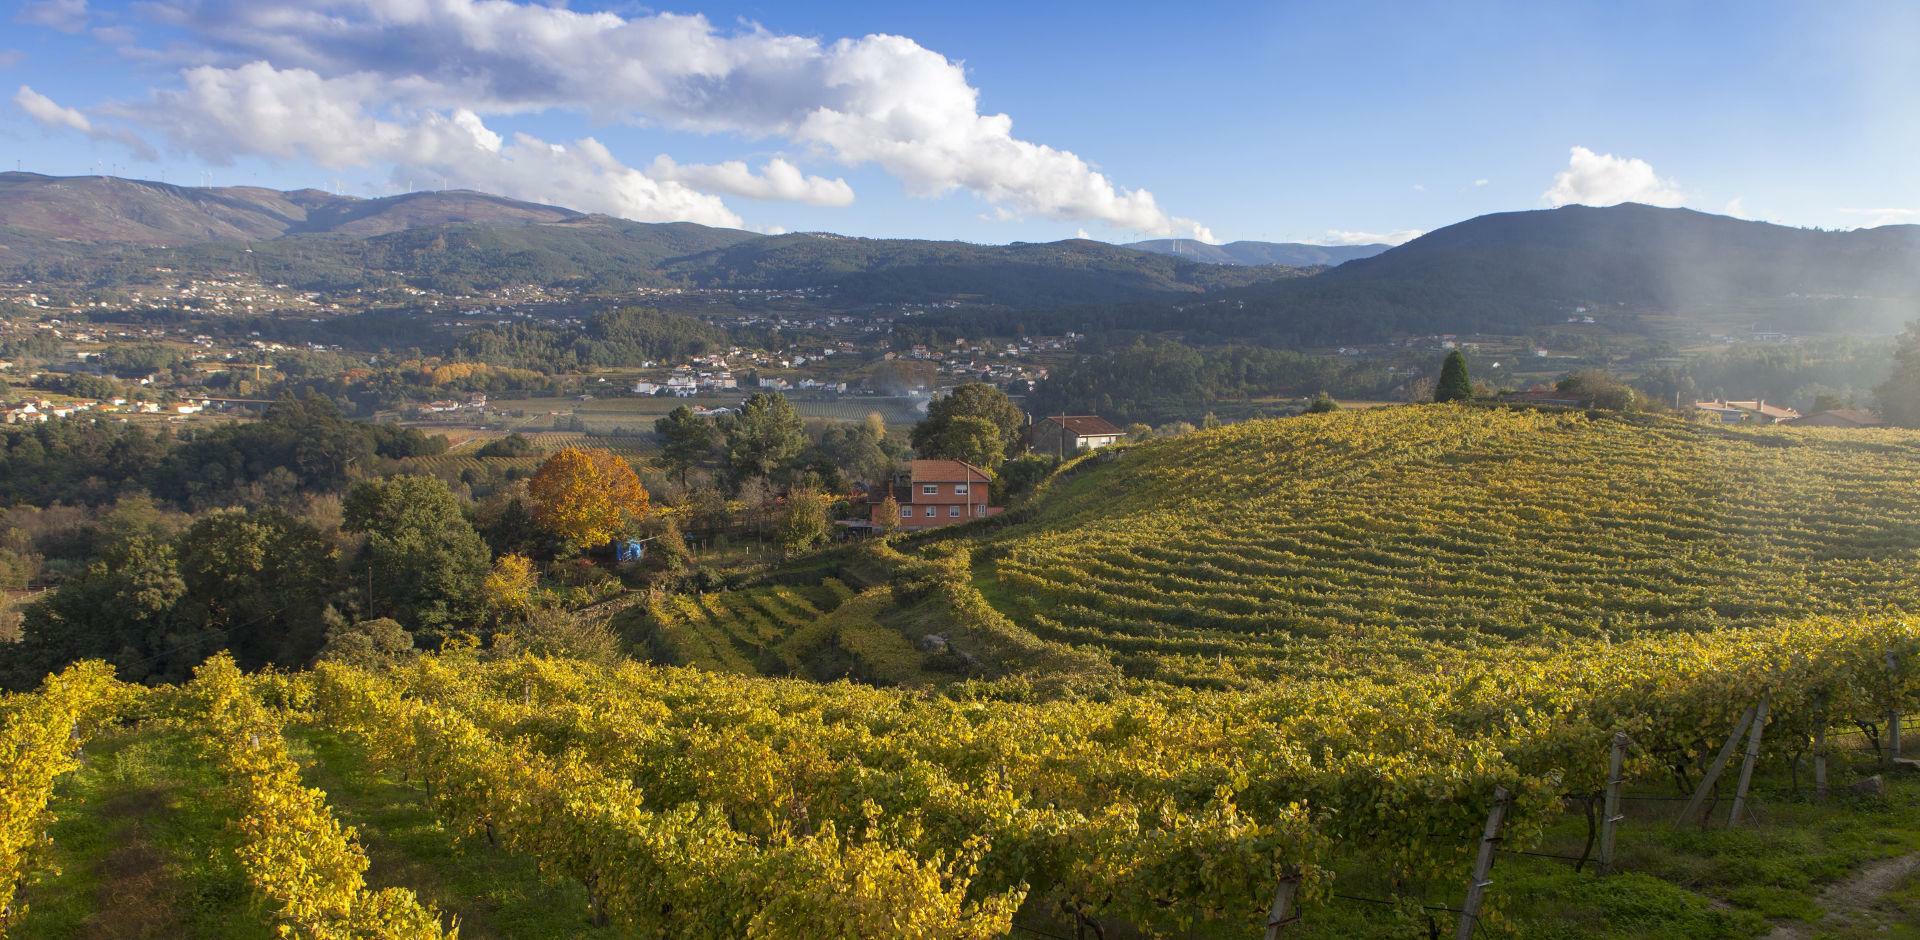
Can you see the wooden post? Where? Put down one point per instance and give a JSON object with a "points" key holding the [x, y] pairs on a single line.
{"points": [[1616, 771], [1281, 913], [1718, 766], [1482, 866], [1893, 715], [1746, 765], [1820, 748]]}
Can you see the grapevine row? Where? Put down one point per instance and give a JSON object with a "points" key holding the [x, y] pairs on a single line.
{"points": [[40, 736], [682, 871], [298, 856]]}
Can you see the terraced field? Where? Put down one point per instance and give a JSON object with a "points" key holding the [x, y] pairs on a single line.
{"points": [[1424, 531], [744, 631]]}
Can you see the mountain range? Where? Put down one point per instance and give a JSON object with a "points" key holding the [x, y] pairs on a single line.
{"points": [[1510, 272], [1294, 254]]}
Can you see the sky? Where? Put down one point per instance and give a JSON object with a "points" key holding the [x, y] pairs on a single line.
{"points": [[993, 122]]}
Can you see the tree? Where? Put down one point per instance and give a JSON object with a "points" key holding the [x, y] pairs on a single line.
{"points": [[423, 562], [261, 581], [687, 440], [973, 439], [1022, 474], [1454, 385], [1599, 389], [513, 445], [973, 400], [764, 438], [805, 523], [1899, 395], [508, 588], [366, 644], [889, 515], [119, 609], [586, 496], [1321, 404]]}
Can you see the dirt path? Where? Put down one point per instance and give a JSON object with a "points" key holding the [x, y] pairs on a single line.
{"points": [[137, 894], [1853, 898]]}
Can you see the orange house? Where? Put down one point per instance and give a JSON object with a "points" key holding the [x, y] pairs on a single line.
{"points": [[939, 492]]}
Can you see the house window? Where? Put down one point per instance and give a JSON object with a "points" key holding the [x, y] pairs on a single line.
{"points": [[906, 512], [929, 512], [930, 489], [959, 489], [953, 512], [979, 510]]}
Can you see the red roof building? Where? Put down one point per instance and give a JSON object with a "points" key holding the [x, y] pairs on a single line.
{"points": [[939, 492], [1066, 435]]}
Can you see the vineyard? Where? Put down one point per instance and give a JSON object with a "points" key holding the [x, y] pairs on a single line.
{"points": [[1538, 675], [1317, 544], [695, 803]]}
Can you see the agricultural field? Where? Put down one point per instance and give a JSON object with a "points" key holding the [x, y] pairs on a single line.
{"points": [[639, 413], [1364, 675], [1315, 544]]}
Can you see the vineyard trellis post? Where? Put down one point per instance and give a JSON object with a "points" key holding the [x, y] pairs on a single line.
{"points": [[1893, 714], [1820, 748], [1281, 913], [1610, 820], [1483, 865], [1746, 764], [1718, 766]]}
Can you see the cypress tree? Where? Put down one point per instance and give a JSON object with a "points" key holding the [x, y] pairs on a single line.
{"points": [[1454, 384]]}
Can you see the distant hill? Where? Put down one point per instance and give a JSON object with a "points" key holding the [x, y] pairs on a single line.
{"points": [[895, 270], [1293, 254], [1516, 271], [104, 230], [109, 209]]}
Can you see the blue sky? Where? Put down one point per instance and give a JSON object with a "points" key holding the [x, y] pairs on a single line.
{"points": [[1272, 121]]}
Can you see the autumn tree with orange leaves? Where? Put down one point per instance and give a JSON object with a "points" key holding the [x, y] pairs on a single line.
{"points": [[586, 495]]}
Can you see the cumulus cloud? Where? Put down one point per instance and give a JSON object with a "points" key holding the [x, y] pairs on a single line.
{"points": [[67, 16], [50, 113], [257, 109], [1602, 179], [777, 179], [1737, 207], [877, 100], [1348, 237]]}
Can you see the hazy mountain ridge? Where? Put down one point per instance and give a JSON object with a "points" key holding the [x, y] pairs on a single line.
{"points": [[1515, 271], [143, 212], [1292, 254]]}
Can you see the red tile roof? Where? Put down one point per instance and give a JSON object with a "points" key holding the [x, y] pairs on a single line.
{"points": [[1085, 425], [947, 471]]}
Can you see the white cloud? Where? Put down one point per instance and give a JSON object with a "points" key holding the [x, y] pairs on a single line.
{"points": [[1081, 233], [11, 57], [880, 100], [778, 179], [1479, 183], [1878, 217], [1736, 207], [1347, 237], [221, 114], [1602, 179], [50, 113], [67, 16]]}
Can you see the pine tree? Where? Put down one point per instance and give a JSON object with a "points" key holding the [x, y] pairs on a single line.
{"points": [[1454, 384]]}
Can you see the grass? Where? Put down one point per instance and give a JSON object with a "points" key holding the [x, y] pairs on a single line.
{"points": [[141, 849], [492, 893], [1679, 881]]}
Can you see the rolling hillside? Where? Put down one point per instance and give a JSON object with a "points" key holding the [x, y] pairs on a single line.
{"points": [[1332, 545], [1516, 271]]}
